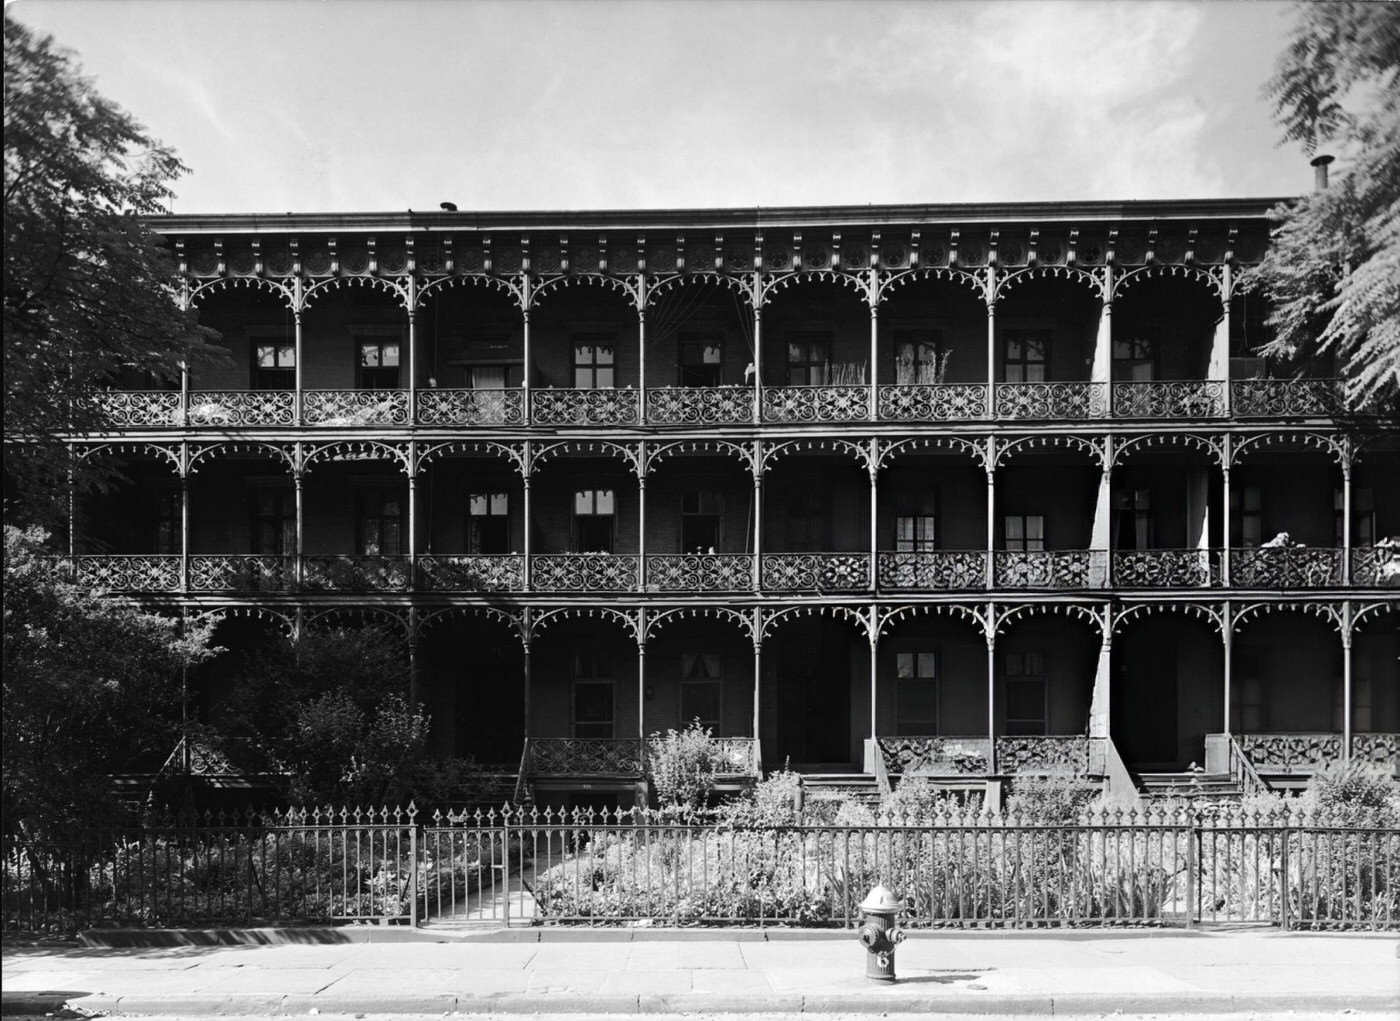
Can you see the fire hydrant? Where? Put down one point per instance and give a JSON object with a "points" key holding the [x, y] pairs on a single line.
{"points": [[879, 934]]}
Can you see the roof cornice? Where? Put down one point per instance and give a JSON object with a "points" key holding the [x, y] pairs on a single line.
{"points": [[748, 218]]}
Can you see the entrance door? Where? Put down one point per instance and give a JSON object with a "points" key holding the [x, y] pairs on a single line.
{"points": [[1144, 704], [814, 696]]}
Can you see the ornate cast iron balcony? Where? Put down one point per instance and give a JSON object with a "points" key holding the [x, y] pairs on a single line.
{"points": [[584, 572], [1286, 567], [1306, 753], [937, 570], [816, 403], [1381, 749], [138, 409], [355, 574], [1050, 569], [354, 407], [820, 572], [1194, 398], [935, 756], [1166, 568], [1079, 400], [1375, 566], [699, 405], [471, 573], [700, 572], [739, 756], [583, 756], [471, 407], [142, 573], [237, 572], [1286, 398], [932, 402], [584, 407]]}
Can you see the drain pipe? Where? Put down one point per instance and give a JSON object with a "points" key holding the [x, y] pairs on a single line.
{"points": [[1319, 165]]}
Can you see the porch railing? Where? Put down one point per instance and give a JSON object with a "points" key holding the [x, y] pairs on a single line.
{"points": [[935, 570], [584, 756], [355, 407], [584, 572], [823, 572], [1166, 568], [1305, 753], [1050, 569], [699, 572], [1189, 398], [470, 407], [1376, 565], [816, 403], [604, 406], [932, 402], [231, 572], [438, 572], [139, 573], [1286, 567], [935, 756], [1045, 755], [1071, 400], [355, 573], [952, 869], [700, 405], [242, 408], [1286, 398]]}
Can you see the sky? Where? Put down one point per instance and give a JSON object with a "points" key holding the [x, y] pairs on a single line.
{"points": [[383, 105]]}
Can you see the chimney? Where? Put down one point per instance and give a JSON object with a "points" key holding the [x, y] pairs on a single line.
{"points": [[1319, 165]]}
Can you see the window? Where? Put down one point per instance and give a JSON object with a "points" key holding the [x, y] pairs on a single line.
{"points": [[915, 533], [1363, 516], [1025, 693], [1247, 691], [701, 510], [1024, 355], [274, 521], [1025, 533], [593, 676], [1132, 520], [916, 693], [700, 361], [488, 523], [379, 363], [809, 359], [274, 364], [1251, 516], [165, 521], [593, 362], [379, 527], [918, 356], [1134, 357], [486, 377], [701, 684], [595, 513]]}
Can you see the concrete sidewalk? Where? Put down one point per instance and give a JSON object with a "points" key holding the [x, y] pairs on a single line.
{"points": [[627, 971]]}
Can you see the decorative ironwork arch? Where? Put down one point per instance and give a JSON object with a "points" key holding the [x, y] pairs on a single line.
{"points": [[1213, 446], [1333, 446], [284, 452], [1211, 277], [395, 620], [1215, 618], [659, 619], [284, 622], [1369, 612], [1323, 611], [611, 283], [1092, 614], [434, 288], [402, 294], [358, 450], [1072, 274], [630, 620], [889, 618], [957, 277], [770, 619], [1095, 448], [726, 448], [773, 452], [629, 453], [957, 444], [513, 454], [772, 283], [667, 285], [169, 453], [257, 283], [515, 623]]}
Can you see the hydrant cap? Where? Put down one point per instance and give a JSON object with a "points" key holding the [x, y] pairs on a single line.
{"points": [[880, 901]]}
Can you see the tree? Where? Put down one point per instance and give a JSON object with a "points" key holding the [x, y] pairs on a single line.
{"points": [[1333, 270], [92, 686], [88, 286]]}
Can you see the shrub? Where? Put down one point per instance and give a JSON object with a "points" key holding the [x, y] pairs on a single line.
{"points": [[682, 765], [1354, 794]]}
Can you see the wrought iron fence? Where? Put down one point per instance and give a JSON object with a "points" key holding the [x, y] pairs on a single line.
{"points": [[955, 868]]}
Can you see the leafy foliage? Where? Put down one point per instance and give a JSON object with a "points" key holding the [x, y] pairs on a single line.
{"points": [[683, 765], [88, 285], [1333, 270], [93, 686]]}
